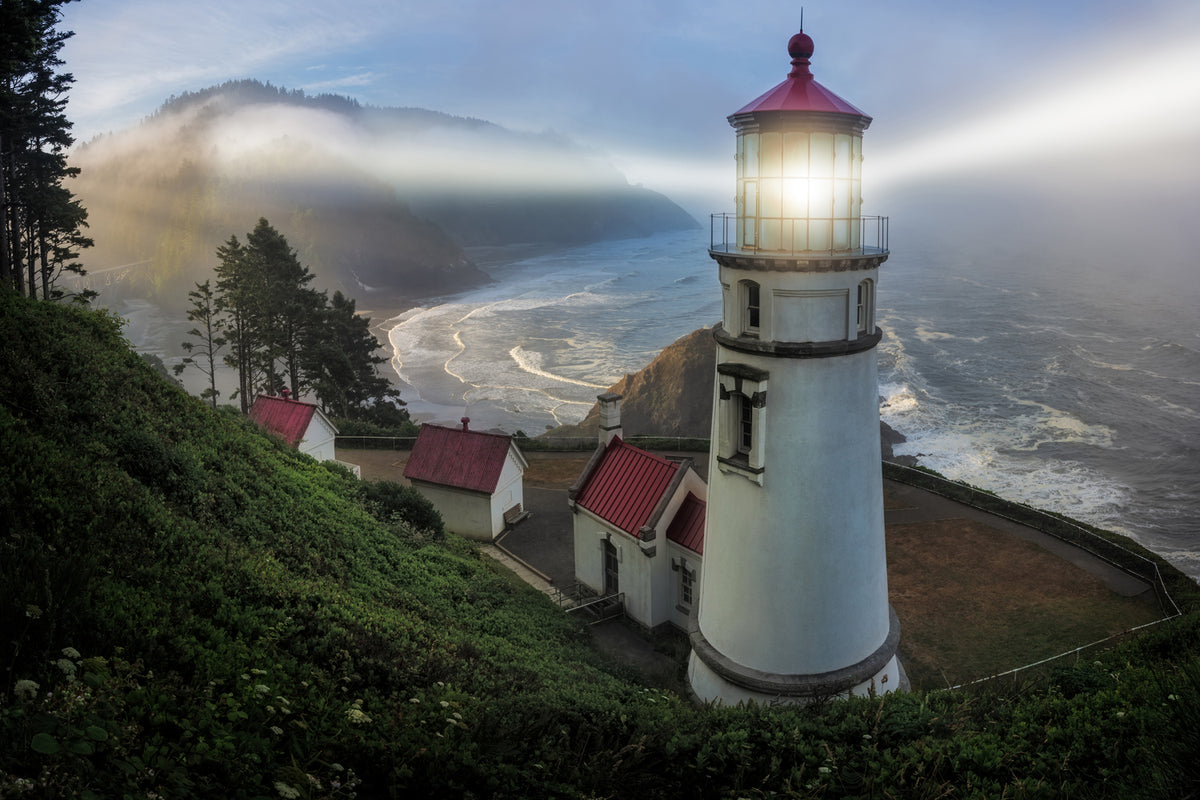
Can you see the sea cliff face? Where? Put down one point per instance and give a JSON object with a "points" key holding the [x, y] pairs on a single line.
{"points": [[672, 396]]}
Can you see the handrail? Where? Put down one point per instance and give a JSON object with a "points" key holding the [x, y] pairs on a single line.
{"points": [[726, 224]]}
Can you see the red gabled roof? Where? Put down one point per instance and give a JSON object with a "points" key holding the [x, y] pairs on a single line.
{"points": [[283, 417], [464, 459], [626, 486], [687, 529]]}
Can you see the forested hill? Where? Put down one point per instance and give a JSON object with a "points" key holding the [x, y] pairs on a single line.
{"points": [[378, 201], [188, 608]]}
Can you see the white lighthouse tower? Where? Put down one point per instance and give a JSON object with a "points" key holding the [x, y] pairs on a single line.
{"points": [[793, 595]]}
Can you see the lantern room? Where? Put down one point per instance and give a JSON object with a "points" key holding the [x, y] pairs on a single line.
{"points": [[799, 171]]}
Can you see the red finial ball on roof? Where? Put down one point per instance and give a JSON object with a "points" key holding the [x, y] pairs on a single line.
{"points": [[466, 421], [800, 46]]}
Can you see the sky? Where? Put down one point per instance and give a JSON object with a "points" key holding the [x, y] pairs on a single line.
{"points": [[1058, 92]]}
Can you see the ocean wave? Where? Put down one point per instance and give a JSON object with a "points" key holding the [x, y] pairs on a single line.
{"points": [[531, 363]]}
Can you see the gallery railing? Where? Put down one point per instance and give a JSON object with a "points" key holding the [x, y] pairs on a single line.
{"points": [[799, 236]]}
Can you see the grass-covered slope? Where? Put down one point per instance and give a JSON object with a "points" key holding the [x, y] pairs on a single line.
{"points": [[187, 608]]}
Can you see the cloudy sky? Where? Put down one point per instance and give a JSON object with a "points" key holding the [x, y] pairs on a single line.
{"points": [[1073, 87]]}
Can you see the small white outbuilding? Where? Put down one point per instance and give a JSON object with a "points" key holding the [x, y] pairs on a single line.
{"points": [[302, 425], [475, 479]]}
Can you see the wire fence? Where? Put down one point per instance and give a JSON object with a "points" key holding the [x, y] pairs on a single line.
{"points": [[562, 444]]}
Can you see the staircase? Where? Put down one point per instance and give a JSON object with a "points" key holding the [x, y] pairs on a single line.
{"points": [[579, 600]]}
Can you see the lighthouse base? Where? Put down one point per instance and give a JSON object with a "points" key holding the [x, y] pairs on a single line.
{"points": [[715, 678]]}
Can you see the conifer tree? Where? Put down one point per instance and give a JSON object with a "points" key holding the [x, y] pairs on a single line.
{"points": [[236, 299], [341, 361], [209, 326], [41, 223]]}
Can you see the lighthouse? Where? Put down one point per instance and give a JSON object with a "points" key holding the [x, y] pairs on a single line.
{"points": [[793, 602]]}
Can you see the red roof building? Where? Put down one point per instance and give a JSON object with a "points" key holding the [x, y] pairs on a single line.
{"points": [[464, 459], [474, 478], [627, 486], [639, 531], [687, 529], [302, 425]]}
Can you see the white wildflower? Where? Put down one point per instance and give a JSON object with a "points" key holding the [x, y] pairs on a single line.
{"points": [[67, 666], [445, 704], [286, 791], [258, 687], [278, 731], [357, 716], [414, 700], [355, 713], [26, 690], [70, 652]]}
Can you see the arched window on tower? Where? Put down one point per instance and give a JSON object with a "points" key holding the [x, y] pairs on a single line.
{"points": [[866, 306], [751, 308]]}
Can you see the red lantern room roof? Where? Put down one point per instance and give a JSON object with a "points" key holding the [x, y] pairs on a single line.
{"points": [[800, 92]]}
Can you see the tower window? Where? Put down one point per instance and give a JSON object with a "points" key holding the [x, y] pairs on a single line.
{"points": [[751, 308], [743, 399], [745, 424], [864, 306]]}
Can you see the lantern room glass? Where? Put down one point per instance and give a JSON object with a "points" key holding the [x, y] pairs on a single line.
{"points": [[799, 191]]}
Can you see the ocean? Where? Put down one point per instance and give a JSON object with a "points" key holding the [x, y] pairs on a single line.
{"points": [[1026, 376]]}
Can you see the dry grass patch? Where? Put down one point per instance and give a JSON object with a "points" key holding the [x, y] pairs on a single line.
{"points": [[974, 601], [554, 473]]}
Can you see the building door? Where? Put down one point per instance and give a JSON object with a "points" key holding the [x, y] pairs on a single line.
{"points": [[610, 567]]}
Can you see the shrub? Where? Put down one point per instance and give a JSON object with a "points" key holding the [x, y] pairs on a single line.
{"points": [[389, 501]]}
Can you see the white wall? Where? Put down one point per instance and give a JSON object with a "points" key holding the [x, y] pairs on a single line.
{"points": [[796, 576], [318, 440]]}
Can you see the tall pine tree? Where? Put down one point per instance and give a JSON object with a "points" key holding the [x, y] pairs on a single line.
{"points": [[208, 331], [341, 360], [41, 224], [282, 333]]}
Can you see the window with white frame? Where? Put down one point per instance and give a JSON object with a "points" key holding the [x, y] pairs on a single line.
{"points": [[687, 583]]}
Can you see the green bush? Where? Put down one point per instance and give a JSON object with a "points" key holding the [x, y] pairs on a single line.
{"points": [[391, 501]]}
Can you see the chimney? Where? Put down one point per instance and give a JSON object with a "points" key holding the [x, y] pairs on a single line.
{"points": [[610, 416], [466, 421]]}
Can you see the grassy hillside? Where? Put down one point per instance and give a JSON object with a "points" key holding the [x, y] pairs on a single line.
{"points": [[187, 608]]}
